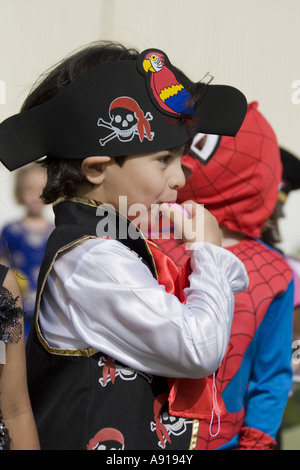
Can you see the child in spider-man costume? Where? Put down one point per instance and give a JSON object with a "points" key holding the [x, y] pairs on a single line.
{"points": [[237, 180]]}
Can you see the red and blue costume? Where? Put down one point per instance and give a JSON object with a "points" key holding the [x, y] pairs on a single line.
{"points": [[239, 185]]}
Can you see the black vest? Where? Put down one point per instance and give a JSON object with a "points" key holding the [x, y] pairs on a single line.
{"points": [[83, 399]]}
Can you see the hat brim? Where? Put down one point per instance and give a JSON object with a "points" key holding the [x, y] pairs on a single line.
{"points": [[221, 111], [291, 171], [79, 121]]}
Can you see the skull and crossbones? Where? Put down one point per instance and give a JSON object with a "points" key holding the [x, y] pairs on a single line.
{"points": [[112, 370], [107, 439], [126, 120], [164, 424]]}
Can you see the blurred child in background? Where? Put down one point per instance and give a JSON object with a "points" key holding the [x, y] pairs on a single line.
{"points": [[23, 241], [271, 235]]}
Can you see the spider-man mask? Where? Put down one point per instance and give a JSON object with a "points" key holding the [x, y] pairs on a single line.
{"points": [[238, 181]]}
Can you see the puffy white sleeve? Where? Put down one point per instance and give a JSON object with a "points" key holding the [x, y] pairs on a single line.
{"points": [[101, 295]]}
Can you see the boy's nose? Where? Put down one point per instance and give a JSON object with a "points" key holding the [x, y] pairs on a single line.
{"points": [[177, 180]]}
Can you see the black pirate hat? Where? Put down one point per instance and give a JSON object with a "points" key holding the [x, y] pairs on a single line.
{"points": [[290, 173], [120, 108]]}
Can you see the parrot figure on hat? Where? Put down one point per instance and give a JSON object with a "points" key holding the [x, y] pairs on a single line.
{"points": [[168, 92]]}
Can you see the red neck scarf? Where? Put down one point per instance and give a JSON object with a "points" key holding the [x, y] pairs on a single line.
{"points": [[188, 398]]}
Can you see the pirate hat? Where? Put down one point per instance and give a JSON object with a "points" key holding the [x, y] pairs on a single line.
{"points": [[291, 174], [120, 108]]}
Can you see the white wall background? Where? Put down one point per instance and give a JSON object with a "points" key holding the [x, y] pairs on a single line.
{"points": [[250, 44]]}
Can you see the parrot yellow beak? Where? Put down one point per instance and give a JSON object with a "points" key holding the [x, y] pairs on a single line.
{"points": [[147, 66]]}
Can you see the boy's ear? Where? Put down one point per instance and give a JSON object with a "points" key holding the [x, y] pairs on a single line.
{"points": [[93, 168]]}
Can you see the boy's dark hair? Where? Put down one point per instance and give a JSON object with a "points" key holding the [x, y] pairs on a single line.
{"points": [[64, 176]]}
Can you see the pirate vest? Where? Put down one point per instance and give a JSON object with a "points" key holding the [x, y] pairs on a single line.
{"points": [[83, 399]]}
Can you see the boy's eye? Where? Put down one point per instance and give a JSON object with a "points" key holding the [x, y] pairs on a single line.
{"points": [[164, 159]]}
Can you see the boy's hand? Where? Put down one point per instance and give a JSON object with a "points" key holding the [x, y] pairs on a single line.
{"points": [[195, 225]]}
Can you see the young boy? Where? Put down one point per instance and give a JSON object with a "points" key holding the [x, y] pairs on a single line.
{"points": [[113, 343], [237, 179]]}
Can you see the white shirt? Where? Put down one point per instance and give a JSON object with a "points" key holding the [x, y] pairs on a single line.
{"points": [[100, 294]]}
